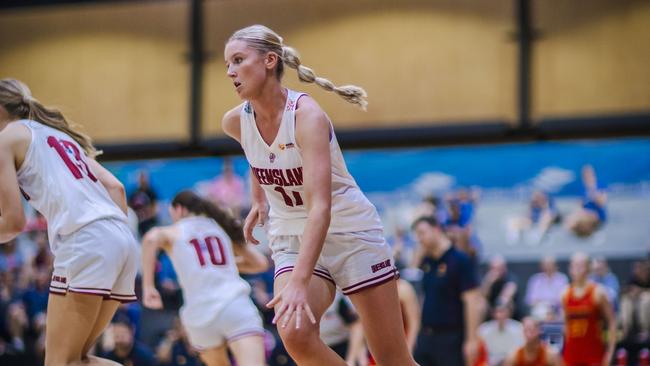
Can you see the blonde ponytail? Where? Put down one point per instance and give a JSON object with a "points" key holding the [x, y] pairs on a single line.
{"points": [[17, 99], [265, 40], [351, 93]]}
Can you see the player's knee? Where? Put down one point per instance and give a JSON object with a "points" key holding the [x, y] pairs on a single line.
{"points": [[297, 341]]}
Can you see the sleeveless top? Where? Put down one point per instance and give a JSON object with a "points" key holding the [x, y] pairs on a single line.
{"points": [[279, 170], [57, 182], [204, 261], [583, 334]]}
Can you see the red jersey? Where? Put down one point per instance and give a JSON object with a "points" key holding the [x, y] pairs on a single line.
{"points": [[583, 333], [540, 358], [482, 356]]}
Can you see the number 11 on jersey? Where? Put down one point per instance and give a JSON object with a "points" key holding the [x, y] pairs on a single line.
{"points": [[287, 199]]}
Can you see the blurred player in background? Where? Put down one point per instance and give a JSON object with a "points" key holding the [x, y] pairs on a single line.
{"points": [[207, 248], [587, 313]]}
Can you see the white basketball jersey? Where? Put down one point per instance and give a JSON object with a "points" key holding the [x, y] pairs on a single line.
{"points": [[205, 264], [56, 181], [278, 169]]}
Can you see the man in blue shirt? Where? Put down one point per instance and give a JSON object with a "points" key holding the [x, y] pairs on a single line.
{"points": [[453, 303]]}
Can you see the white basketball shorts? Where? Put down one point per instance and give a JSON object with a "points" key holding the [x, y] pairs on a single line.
{"points": [[237, 320], [352, 261], [100, 259]]}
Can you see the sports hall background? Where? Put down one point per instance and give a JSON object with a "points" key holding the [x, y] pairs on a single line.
{"points": [[498, 98]]}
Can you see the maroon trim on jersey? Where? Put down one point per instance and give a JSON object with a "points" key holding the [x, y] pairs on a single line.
{"points": [[325, 277], [103, 296], [317, 272], [324, 273], [58, 290], [62, 291], [371, 282], [122, 298], [246, 333], [92, 288], [282, 270], [25, 194], [89, 292]]}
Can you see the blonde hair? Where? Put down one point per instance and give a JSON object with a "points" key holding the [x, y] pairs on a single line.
{"points": [[263, 39], [17, 99]]}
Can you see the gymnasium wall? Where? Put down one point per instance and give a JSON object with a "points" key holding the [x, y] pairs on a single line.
{"points": [[118, 69], [422, 62], [591, 58], [121, 69]]}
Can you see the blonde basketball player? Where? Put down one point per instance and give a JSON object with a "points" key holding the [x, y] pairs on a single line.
{"points": [[217, 311], [95, 255], [322, 229]]}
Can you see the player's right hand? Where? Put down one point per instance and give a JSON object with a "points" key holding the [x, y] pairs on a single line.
{"points": [[257, 216], [151, 298]]}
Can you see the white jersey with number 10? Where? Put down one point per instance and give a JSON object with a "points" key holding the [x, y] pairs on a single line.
{"points": [[205, 264]]}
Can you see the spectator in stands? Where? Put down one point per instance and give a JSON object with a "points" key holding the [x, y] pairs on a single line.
{"points": [[499, 285], [43, 258], [592, 214], [502, 334], [402, 245], [534, 352], [431, 206], [541, 215], [341, 330], [14, 346], [36, 295], [17, 325], [458, 226], [544, 289], [635, 303], [144, 201], [11, 260], [601, 274], [228, 190], [453, 304], [175, 348], [127, 350]]}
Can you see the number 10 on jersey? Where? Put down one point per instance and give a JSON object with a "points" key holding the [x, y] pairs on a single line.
{"points": [[217, 258]]}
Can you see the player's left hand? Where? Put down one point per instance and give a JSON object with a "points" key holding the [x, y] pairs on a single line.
{"points": [[151, 298], [292, 299]]}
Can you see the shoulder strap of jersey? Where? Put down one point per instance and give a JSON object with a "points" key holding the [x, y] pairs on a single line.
{"points": [[245, 118]]}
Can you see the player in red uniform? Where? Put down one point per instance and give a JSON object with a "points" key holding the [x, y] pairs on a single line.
{"points": [[586, 312]]}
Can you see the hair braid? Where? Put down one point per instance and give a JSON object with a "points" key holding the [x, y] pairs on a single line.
{"points": [[265, 40]]}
